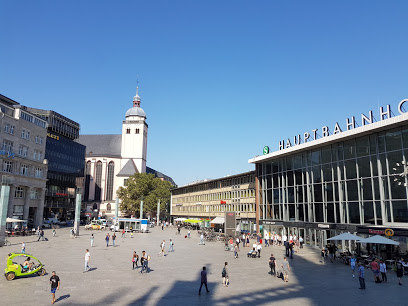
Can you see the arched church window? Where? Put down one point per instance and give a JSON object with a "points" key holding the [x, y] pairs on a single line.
{"points": [[110, 179], [98, 180], [87, 180], [127, 131], [137, 131]]}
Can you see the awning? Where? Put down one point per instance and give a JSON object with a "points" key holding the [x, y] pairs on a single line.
{"points": [[346, 236], [14, 220], [192, 221], [379, 240], [218, 220], [180, 219]]}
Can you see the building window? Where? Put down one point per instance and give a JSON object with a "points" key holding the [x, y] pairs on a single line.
{"points": [[137, 131], [23, 133], [7, 146], [9, 129], [127, 131], [8, 166], [24, 169], [37, 155], [109, 184], [36, 139], [22, 151], [41, 140], [19, 193], [34, 194], [38, 172], [98, 181]]}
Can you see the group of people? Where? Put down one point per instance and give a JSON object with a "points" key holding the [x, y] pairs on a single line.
{"points": [[144, 262]]}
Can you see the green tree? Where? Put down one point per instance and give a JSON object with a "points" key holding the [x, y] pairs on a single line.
{"points": [[146, 187]]}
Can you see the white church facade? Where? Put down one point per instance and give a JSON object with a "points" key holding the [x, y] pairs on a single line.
{"points": [[112, 159]]}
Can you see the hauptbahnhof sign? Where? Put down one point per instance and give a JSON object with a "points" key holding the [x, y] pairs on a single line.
{"points": [[350, 124]]}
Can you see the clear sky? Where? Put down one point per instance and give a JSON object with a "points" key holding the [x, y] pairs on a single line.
{"points": [[218, 79]]}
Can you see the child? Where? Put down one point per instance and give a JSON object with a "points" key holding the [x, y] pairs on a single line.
{"points": [[23, 248], [353, 261]]}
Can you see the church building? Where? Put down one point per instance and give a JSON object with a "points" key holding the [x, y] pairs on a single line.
{"points": [[112, 159]]}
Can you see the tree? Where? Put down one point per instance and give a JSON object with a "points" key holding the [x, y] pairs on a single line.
{"points": [[146, 187]]}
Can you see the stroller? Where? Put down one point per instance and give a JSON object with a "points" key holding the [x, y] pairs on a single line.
{"points": [[252, 253]]}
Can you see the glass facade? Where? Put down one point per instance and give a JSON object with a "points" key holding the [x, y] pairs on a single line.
{"points": [[360, 181]]}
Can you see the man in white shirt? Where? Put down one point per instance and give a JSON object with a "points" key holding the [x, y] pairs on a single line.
{"points": [[87, 258], [259, 248]]}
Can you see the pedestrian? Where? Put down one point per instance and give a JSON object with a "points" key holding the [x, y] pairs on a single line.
{"points": [[247, 240], [225, 276], [383, 270], [203, 280], [301, 242], [400, 270], [243, 240], [259, 249], [145, 264], [92, 240], [361, 275], [54, 233], [41, 236], [237, 242], [188, 234], [286, 244], [171, 244], [162, 245], [236, 251], [202, 239], [107, 240], [135, 258], [323, 254], [55, 285], [291, 249], [87, 259], [162, 226], [285, 269], [266, 240], [178, 229], [23, 245], [38, 232], [272, 264], [353, 261], [376, 271], [113, 238], [123, 233]]}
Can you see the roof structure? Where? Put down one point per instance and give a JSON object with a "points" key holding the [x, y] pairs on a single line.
{"points": [[102, 145], [128, 169]]}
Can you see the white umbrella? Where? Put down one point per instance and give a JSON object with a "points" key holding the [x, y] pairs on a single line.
{"points": [[14, 220], [346, 236], [377, 239]]}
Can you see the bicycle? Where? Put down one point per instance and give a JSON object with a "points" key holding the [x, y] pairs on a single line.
{"points": [[6, 242]]}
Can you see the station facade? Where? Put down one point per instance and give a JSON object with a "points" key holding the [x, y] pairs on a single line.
{"points": [[353, 178]]}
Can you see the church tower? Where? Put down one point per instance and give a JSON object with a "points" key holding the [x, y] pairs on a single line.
{"points": [[134, 136]]}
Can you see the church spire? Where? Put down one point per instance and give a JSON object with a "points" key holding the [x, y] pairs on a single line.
{"points": [[136, 99]]}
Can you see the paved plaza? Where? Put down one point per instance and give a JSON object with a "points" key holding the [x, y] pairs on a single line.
{"points": [[175, 278]]}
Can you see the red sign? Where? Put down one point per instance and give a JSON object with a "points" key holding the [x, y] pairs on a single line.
{"points": [[223, 202], [377, 232]]}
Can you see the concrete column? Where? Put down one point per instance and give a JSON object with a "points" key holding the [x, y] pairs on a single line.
{"points": [[77, 213], [39, 216], [4, 201], [104, 179], [92, 182]]}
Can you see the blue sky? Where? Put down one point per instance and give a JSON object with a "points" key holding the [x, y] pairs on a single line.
{"points": [[218, 79]]}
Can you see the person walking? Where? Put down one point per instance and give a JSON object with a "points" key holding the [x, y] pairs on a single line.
{"points": [[41, 235], [400, 270], [135, 259], [145, 264], [54, 233], [87, 259], [259, 249], [383, 270], [236, 251], [323, 254], [353, 261], [171, 244], [202, 239], [162, 245], [113, 238], [92, 240], [291, 249], [107, 240], [272, 264], [55, 285], [361, 275], [188, 234], [301, 242], [286, 244], [243, 240], [23, 246], [285, 269], [203, 280], [225, 276], [247, 240], [123, 233]]}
